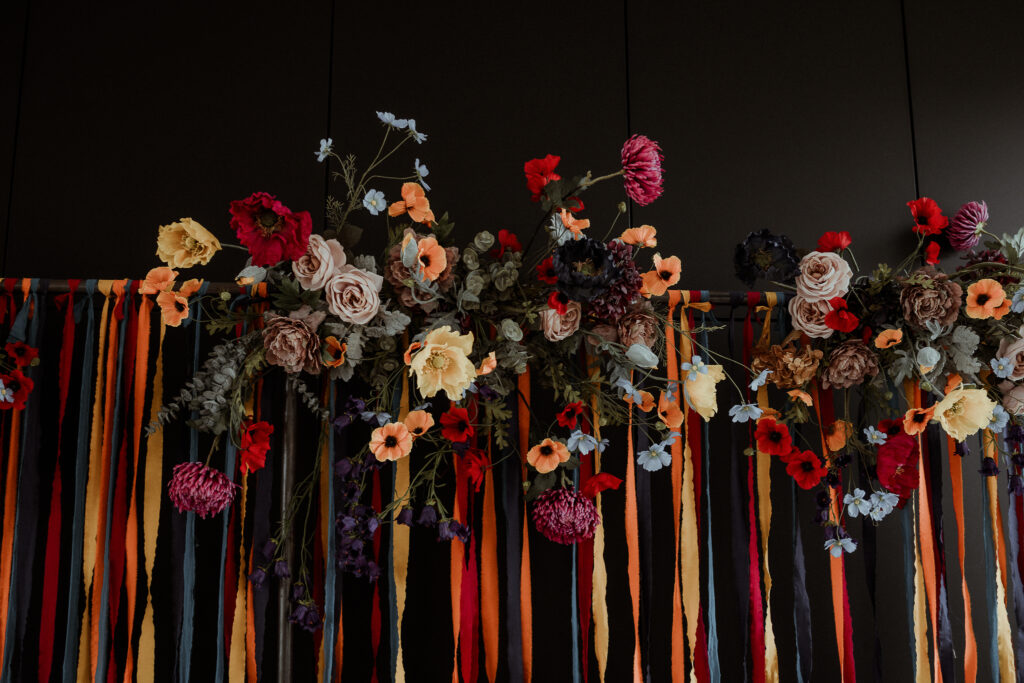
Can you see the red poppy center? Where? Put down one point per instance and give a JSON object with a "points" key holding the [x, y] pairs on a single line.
{"points": [[390, 442], [983, 299], [270, 222], [462, 425], [180, 307], [775, 437], [919, 417], [545, 450], [665, 275], [807, 466], [425, 260], [417, 431]]}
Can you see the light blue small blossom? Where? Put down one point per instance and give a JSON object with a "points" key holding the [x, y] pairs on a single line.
{"points": [[741, 412], [421, 173], [581, 443], [928, 358], [629, 390], [6, 395], [642, 357], [999, 419], [875, 437], [760, 380], [389, 118], [374, 202], [856, 504], [694, 367], [326, 147], [882, 503], [1002, 367], [654, 458], [838, 546], [380, 418], [1017, 302], [416, 135]]}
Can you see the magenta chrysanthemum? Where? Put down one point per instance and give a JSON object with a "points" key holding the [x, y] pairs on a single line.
{"points": [[194, 487], [565, 516], [641, 162], [964, 230]]}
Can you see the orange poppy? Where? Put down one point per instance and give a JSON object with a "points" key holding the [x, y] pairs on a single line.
{"points": [[669, 412], [488, 365], [800, 395], [986, 299], [837, 434], [648, 400], [547, 455], [431, 258], [157, 280], [888, 338], [952, 382], [574, 225], [413, 348], [190, 287], [644, 236], [390, 442], [665, 275], [334, 352], [173, 307], [916, 420], [418, 422], [415, 202]]}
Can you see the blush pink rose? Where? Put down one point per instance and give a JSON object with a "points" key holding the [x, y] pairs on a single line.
{"points": [[823, 276], [558, 327], [322, 258], [1013, 397], [354, 295], [1013, 348], [809, 317]]}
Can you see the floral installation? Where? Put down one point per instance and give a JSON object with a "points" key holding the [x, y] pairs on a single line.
{"points": [[878, 338], [457, 321]]}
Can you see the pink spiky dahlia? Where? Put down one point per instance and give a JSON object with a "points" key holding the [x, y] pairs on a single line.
{"points": [[194, 487], [564, 516], [641, 164], [964, 231]]}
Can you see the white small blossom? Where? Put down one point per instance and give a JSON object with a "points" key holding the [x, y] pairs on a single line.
{"points": [[741, 412], [875, 437], [374, 202], [326, 147], [999, 419], [855, 503], [1017, 302], [760, 380], [694, 367], [838, 546], [654, 458], [419, 137], [581, 443], [6, 395], [389, 118], [421, 173]]}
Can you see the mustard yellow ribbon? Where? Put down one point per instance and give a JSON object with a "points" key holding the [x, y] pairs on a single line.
{"points": [[400, 557], [1004, 642], [599, 593]]}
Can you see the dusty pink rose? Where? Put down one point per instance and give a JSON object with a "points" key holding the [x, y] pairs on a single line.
{"points": [[1013, 397], [823, 276], [558, 327], [318, 264], [638, 327], [1013, 348], [938, 302], [292, 343], [354, 295], [809, 317], [603, 332], [849, 364]]}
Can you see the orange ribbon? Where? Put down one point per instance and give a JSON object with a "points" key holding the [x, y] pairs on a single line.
{"points": [[672, 368], [632, 545], [956, 476]]}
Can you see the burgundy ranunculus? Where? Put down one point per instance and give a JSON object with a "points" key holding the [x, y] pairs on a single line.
{"points": [[194, 487], [564, 516], [641, 162], [269, 229], [964, 230], [897, 465]]}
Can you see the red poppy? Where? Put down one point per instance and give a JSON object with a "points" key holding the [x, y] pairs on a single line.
{"points": [[570, 415], [255, 443], [805, 467], [602, 481], [834, 241], [506, 240], [773, 437], [897, 466], [839, 318], [455, 425], [20, 387], [928, 218], [558, 302], [891, 427], [21, 353], [931, 254], [476, 465], [539, 172], [546, 271], [269, 229]]}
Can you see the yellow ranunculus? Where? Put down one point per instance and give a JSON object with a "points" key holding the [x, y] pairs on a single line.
{"points": [[701, 393], [185, 244], [442, 363], [964, 411]]}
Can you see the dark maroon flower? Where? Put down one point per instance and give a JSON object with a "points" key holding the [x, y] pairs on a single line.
{"points": [[194, 487], [641, 163], [269, 229], [964, 230], [564, 516]]}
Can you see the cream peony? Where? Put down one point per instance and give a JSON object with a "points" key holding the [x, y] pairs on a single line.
{"points": [[809, 317], [353, 294], [442, 363], [185, 244], [558, 327], [701, 392], [319, 263], [823, 276], [964, 411]]}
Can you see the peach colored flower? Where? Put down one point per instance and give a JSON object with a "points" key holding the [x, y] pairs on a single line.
{"points": [[665, 274], [190, 287], [547, 455], [418, 422], [915, 421], [644, 236], [487, 365], [801, 395], [964, 411], [173, 307], [390, 442], [157, 280], [648, 400], [888, 338], [415, 202], [334, 352], [986, 299], [185, 244], [837, 434], [809, 317], [431, 258], [442, 364], [322, 259], [701, 392], [574, 225], [669, 412]]}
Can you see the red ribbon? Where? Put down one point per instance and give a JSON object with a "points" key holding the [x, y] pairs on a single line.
{"points": [[756, 604]]}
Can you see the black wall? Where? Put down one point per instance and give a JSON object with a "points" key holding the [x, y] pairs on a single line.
{"points": [[797, 116]]}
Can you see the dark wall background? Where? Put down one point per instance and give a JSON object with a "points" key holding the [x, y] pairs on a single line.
{"points": [[798, 116]]}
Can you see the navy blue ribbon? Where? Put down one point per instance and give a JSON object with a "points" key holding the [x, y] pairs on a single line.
{"points": [[330, 571]]}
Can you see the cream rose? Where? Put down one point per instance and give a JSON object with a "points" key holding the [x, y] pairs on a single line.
{"points": [[1013, 348], [809, 317], [558, 327], [185, 244], [964, 411], [823, 276], [353, 294], [321, 260]]}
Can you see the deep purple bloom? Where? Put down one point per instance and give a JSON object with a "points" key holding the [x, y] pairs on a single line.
{"points": [[989, 468], [1016, 485], [306, 616], [450, 530], [281, 569], [641, 163], [565, 516], [298, 590], [964, 231], [194, 487], [405, 517], [428, 516], [962, 449], [258, 578], [1017, 457]]}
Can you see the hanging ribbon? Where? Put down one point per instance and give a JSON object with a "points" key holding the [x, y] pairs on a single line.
{"points": [[489, 617], [599, 594], [672, 371], [526, 594], [737, 491], [511, 488], [757, 635], [956, 478], [710, 651], [1007, 669], [400, 536], [632, 547], [330, 561]]}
